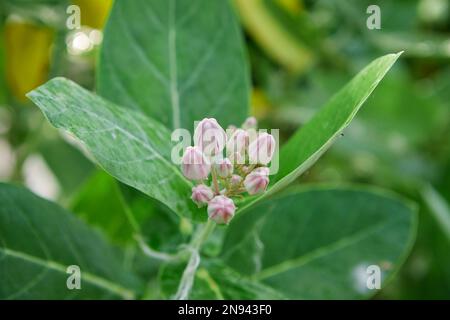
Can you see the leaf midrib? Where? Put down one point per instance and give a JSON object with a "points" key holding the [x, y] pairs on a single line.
{"points": [[174, 94], [86, 276]]}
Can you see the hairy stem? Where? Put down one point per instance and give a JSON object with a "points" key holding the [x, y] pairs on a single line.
{"points": [[187, 279]]}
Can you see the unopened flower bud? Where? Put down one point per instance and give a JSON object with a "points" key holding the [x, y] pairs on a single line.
{"points": [[250, 123], [210, 137], [230, 130], [224, 167], [201, 194], [238, 142], [261, 150], [194, 164], [257, 180], [235, 180], [237, 158], [221, 209]]}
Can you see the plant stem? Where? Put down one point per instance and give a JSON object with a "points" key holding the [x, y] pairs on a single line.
{"points": [[156, 254], [187, 279], [214, 180]]}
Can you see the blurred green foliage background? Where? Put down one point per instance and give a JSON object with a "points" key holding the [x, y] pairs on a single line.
{"points": [[301, 52]]}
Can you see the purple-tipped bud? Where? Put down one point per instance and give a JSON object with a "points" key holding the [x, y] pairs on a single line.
{"points": [[210, 137], [221, 209], [250, 123], [235, 180], [224, 167], [194, 164], [257, 180], [238, 142], [260, 151], [201, 194]]}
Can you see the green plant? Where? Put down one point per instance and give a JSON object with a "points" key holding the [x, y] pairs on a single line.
{"points": [[179, 62]]}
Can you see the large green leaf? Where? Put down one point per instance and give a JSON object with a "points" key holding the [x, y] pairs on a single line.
{"points": [[308, 144], [129, 146], [187, 60], [39, 240], [313, 139], [316, 243]]}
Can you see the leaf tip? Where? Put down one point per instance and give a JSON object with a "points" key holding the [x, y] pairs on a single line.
{"points": [[398, 54]]}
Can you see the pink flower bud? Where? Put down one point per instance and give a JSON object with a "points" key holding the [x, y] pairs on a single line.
{"points": [[210, 137], [230, 130], [194, 164], [201, 194], [224, 167], [235, 180], [238, 142], [257, 180], [221, 209], [237, 158], [250, 123], [261, 150]]}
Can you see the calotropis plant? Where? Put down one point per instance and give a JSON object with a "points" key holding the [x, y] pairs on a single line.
{"points": [[164, 65]]}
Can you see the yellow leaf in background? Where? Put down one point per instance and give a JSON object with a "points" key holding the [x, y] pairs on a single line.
{"points": [[27, 56], [278, 43], [261, 106], [292, 6], [94, 12]]}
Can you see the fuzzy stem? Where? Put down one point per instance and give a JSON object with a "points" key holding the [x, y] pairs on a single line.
{"points": [[187, 279]]}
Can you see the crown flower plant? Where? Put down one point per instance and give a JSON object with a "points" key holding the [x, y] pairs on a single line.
{"points": [[228, 179], [221, 215]]}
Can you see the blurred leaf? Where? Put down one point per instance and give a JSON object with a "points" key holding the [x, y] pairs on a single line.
{"points": [[122, 212], [94, 13], [270, 33], [27, 56], [49, 13], [291, 6], [39, 240], [438, 207], [415, 45], [215, 281], [129, 146], [187, 58], [316, 242], [100, 204], [157, 224], [69, 165]]}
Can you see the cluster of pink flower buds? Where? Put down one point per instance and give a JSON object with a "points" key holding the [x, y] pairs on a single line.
{"points": [[218, 178]]}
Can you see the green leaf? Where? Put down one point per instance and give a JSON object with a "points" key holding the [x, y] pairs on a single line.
{"points": [[187, 58], [214, 281], [316, 242], [39, 240], [438, 207], [314, 138], [129, 146]]}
